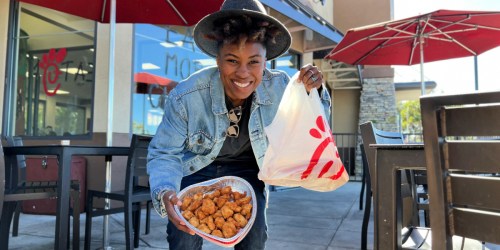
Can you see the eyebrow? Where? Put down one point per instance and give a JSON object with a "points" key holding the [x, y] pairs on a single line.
{"points": [[251, 57]]}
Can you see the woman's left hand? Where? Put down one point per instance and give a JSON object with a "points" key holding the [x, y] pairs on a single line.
{"points": [[311, 77]]}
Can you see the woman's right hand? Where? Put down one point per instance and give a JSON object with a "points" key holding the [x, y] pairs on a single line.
{"points": [[170, 199]]}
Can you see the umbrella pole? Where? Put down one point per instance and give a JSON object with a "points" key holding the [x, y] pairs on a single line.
{"points": [[109, 131], [422, 82], [476, 80]]}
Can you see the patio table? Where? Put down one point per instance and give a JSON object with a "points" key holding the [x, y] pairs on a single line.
{"points": [[64, 154], [389, 159]]}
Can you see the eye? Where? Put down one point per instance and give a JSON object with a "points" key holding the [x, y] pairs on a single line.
{"points": [[254, 62], [233, 61]]}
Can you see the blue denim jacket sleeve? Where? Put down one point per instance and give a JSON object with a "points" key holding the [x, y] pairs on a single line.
{"points": [[165, 152]]}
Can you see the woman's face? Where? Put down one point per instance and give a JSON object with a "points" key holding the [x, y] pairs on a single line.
{"points": [[241, 69]]}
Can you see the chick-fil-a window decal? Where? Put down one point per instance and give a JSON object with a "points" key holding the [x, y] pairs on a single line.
{"points": [[50, 67], [63, 79]]}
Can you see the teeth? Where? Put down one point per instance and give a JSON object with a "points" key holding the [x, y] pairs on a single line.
{"points": [[242, 85]]}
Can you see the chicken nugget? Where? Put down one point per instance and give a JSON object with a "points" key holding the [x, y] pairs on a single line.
{"points": [[198, 196], [218, 213], [210, 222], [187, 214], [194, 205], [244, 200], [200, 214], [226, 212], [246, 210], [225, 196], [226, 190], [219, 221], [229, 230], [186, 202], [233, 206], [242, 221], [214, 194], [194, 221], [237, 195], [208, 206], [217, 233], [234, 222], [221, 201], [204, 220], [204, 228]]}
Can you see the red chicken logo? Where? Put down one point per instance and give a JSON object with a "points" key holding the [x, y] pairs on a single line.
{"points": [[314, 132], [50, 65]]}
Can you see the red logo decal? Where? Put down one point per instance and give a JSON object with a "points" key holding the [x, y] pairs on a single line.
{"points": [[50, 65], [320, 123]]}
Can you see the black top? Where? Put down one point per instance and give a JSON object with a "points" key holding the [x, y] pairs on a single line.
{"points": [[238, 150]]}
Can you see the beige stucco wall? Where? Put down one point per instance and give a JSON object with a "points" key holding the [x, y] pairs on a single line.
{"points": [[324, 10], [345, 110], [123, 78], [356, 13]]}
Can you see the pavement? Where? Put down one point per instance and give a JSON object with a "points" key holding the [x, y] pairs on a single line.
{"points": [[297, 219]]}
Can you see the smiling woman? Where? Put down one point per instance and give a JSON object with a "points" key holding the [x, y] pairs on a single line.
{"points": [[213, 124], [55, 74]]}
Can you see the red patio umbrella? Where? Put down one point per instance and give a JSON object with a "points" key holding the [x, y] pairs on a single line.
{"points": [[438, 35], [148, 78], [171, 12]]}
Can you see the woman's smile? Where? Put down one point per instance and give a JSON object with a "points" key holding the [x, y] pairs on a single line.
{"points": [[242, 84]]}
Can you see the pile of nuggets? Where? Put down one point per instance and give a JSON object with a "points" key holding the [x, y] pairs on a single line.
{"points": [[221, 213]]}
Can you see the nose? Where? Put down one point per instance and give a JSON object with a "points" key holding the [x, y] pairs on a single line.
{"points": [[242, 71]]}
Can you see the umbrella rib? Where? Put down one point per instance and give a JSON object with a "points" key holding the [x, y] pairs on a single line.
{"points": [[360, 40], [177, 11], [382, 45], [415, 42], [103, 10], [451, 39], [468, 24], [418, 39]]}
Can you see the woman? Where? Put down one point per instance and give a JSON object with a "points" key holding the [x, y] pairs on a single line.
{"points": [[214, 120]]}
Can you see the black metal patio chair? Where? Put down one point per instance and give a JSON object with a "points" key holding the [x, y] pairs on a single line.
{"points": [[132, 196]]}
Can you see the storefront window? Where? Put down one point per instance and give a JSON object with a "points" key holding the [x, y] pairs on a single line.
{"points": [[163, 57], [52, 92], [288, 62]]}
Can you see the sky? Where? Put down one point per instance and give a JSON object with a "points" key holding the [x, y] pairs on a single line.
{"points": [[454, 75]]}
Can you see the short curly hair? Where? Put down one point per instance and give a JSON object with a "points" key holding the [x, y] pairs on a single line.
{"points": [[242, 29]]}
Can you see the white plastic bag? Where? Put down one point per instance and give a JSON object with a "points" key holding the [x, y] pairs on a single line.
{"points": [[302, 151]]}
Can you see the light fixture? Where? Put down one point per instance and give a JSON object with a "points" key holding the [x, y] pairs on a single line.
{"points": [[205, 62], [167, 45], [74, 71], [149, 66], [59, 92]]}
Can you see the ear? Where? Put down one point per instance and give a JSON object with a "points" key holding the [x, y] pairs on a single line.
{"points": [[217, 60]]}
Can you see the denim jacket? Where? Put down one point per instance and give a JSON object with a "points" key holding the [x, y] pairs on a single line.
{"points": [[193, 128]]}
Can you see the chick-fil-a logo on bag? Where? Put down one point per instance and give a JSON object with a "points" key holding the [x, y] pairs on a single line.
{"points": [[51, 72], [314, 132]]}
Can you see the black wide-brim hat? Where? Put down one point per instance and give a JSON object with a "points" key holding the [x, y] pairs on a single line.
{"points": [[250, 8]]}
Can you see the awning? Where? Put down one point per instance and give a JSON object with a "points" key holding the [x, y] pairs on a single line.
{"points": [[324, 35]]}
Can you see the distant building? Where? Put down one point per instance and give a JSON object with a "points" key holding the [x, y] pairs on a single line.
{"points": [[406, 91]]}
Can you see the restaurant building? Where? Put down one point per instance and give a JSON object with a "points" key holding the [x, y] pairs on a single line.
{"points": [[55, 70]]}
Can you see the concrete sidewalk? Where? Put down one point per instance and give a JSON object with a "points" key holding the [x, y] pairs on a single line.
{"points": [[297, 219]]}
